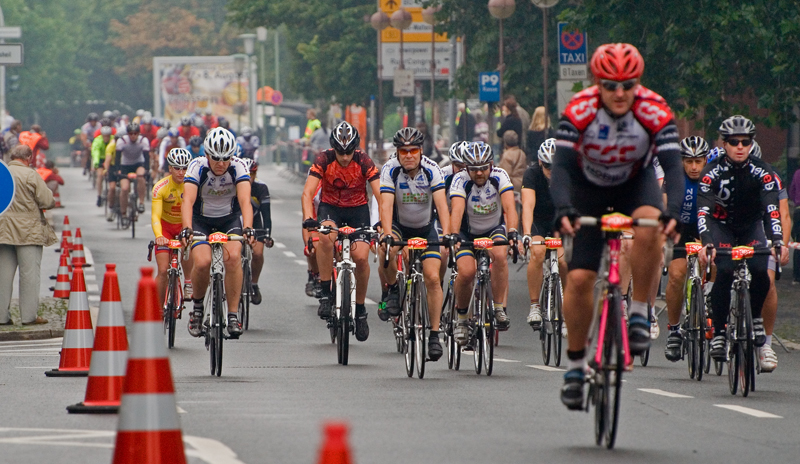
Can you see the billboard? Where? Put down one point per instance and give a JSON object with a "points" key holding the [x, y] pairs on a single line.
{"points": [[185, 84]]}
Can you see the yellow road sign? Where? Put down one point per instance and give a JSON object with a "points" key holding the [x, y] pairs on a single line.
{"points": [[419, 31]]}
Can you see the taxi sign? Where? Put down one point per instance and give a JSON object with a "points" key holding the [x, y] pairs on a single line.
{"points": [[572, 46], [7, 187]]}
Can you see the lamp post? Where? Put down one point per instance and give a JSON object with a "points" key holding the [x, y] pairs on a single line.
{"points": [[249, 41], [261, 35], [379, 21], [238, 66], [429, 16], [501, 9], [401, 19], [544, 5]]}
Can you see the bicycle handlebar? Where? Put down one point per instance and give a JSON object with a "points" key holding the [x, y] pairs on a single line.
{"points": [[757, 251]]}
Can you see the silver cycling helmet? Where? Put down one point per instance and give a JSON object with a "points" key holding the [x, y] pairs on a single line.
{"points": [[737, 125], [179, 158], [755, 150], [220, 144], [455, 153], [546, 151], [715, 153], [478, 154], [694, 147], [105, 130]]}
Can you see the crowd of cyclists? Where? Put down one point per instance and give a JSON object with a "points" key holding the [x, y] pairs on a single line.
{"points": [[617, 150]]}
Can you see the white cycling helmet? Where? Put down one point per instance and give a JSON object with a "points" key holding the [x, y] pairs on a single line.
{"points": [[478, 154], [220, 144], [546, 151], [246, 131], [755, 150], [179, 158], [105, 130]]}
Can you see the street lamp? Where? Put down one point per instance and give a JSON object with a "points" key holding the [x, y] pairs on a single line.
{"points": [[429, 16], [249, 41], [501, 9], [238, 66], [544, 5], [261, 35], [379, 21], [401, 19]]}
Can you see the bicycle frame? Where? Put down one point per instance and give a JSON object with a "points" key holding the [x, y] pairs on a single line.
{"points": [[609, 270]]}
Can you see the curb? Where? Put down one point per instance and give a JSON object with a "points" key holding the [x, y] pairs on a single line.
{"points": [[38, 334]]}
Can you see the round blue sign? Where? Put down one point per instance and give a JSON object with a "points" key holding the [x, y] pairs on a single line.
{"points": [[7, 187]]}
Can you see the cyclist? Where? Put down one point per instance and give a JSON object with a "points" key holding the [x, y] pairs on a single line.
{"points": [[196, 147], [147, 128], [344, 172], [165, 214], [208, 118], [249, 143], [693, 151], [313, 286], [187, 130], [216, 198], [99, 145], [606, 141], [767, 358], [736, 190], [411, 186], [87, 136], [480, 197], [262, 223], [537, 222], [111, 155], [132, 151], [169, 143]]}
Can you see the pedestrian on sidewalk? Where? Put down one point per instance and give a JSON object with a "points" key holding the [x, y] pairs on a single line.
{"points": [[23, 234], [11, 138], [50, 176], [36, 138], [794, 196]]}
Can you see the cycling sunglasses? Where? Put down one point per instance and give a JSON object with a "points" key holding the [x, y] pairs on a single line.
{"points": [[349, 153], [220, 158], [478, 168], [547, 165], [612, 86], [735, 142]]}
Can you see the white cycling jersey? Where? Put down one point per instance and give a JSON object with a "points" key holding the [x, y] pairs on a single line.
{"points": [[413, 201], [484, 210], [216, 195]]}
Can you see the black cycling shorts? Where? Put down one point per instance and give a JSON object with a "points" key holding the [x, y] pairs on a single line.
{"points": [[122, 171], [545, 229], [355, 217], [591, 200], [498, 233], [230, 224], [688, 234], [429, 233]]}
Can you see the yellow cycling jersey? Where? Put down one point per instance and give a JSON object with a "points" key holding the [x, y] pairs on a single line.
{"points": [[166, 204]]}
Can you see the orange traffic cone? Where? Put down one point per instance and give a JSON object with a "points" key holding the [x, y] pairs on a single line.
{"points": [[61, 289], [57, 198], [76, 349], [335, 449], [78, 257], [148, 429], [66, 234], [110, 352]]}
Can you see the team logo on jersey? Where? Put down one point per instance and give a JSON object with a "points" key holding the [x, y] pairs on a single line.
{"points": [[603, 135]]}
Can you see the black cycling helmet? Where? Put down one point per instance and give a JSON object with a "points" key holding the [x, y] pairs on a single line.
{"points": [[195, 141], [408, 136], [737, 125], [344, 138], [132, 128], [92, 117], [694, 147], [105, 122]]}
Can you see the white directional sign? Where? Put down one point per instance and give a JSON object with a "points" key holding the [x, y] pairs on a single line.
{"points": [[417, 57], [573, 72], [13, 32], [10, 54], [404, 83]]}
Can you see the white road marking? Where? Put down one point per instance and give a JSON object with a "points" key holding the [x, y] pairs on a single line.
{"points": [[749, 411], [181, 410], [299, 213], [290, 254], [46, 341], [546, 368], [92, 288], [2, 347], [301, 262], [503, 360], [94, 298], [90, 277], [279, 245], [369, 301], [656, 391], [88, 254]]}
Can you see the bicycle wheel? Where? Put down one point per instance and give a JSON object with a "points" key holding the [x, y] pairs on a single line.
{"points": [[488, 331], [244, 298], [132, 212], [171, 308], [746, 365], [345, 318], [219, 312], [545, 333], [700, 334], [406, 324], [614, 364], [690, 326], [734, 356], [476, 332], [558, 319], [420, 328], [448, 323]]}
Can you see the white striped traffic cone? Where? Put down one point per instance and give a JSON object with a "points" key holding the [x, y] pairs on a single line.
{"points": [[76, 349], [149, 429], [110, 352], [66, 234], [61, 289], [78, 256]]}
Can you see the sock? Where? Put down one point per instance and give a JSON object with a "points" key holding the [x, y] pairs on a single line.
{"points": [[187, 281], [498, 307], [576, 359], [360, 309], [638, 307], [674, 328], [326, 287], [462, 314], [707, 287], [233, 316], [198, 304], [434, 335], [769, 340]]}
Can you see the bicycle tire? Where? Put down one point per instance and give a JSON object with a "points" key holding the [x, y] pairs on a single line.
{"points": [[489, 330], [171, 308], [219, 311], [448, 323], [345, 318], [558, 323], [244, 298], [132, 200], [747, 366], [616, 356], [476, 334], [405, 328], [700, 333], [690, 324], [545, 337], [734, 356], [420, 329]]}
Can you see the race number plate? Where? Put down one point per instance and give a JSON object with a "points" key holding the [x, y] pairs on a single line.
{"points": [[174, 244], [218, 237], [417, 244], [483, 243], [346, 230], [615, 222], [741, 252], [692, 248], [552, 243]]}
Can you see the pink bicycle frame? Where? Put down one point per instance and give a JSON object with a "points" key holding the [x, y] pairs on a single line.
{"points": [[613, 281]]}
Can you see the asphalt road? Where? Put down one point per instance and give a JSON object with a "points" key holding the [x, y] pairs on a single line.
{"points": [[281, 382]]}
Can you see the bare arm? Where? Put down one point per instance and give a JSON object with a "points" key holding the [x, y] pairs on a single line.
{"points": [[187, 205], [457, 206], [528, 204], [307, 199], [387, 211], [510, 209], [440, 200], [243, 195]]}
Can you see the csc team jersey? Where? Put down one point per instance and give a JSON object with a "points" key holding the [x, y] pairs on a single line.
{"points": [[216, 195], [344, 186], [484, 210], [413, 201]]}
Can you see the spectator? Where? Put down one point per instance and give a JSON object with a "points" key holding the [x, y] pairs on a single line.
{"points": [[50, 176], [524, 117], [36, 138], [428, 145], [320, 139], [538, 132], [23, 233], [794, 195], [513, 160], [465, 124], [312, 124], [11, 138], [511, 120], [481, 127]]}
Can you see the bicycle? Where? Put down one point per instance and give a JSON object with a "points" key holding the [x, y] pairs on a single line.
{"points": [[694, 327], [741, 356], [414, 318], [482, 326], [342, 320], [612, 355], [449, 317], [215, 320], [550, 297], [128, 218], [247, 285], [173, 299]]}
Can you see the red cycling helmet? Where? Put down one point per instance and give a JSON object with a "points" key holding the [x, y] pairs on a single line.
{"points": [[617, 62]]}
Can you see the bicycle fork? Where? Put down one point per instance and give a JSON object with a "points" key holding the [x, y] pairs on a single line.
{"points": [[613, 280]]}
